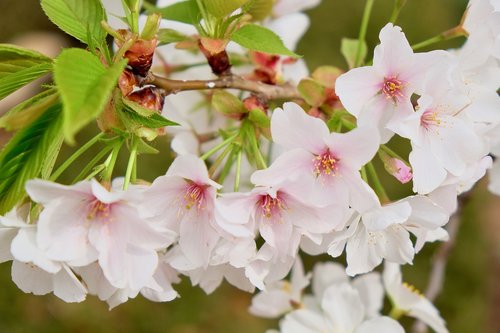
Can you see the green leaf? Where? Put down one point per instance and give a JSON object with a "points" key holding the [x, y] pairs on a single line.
{"points": [[259, 118], [223, 8], [185, 11], [136, 116], [19, 67], [259, 9], [78, 18], [167, 36], [349, 48], [226, 103], [26, 112], [313, 92], [257, 38], [24, 157], [85, 86]]}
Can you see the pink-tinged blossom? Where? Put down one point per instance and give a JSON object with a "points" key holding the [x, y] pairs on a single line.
{"points": [[409, 300], [380, 95], [85, 222], [444, 141], [184, 199], [32, 271], [282, 212], [383, 232], [329, 163]]}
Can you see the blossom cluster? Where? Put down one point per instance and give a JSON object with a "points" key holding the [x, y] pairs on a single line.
{"points": [[115, 243]]}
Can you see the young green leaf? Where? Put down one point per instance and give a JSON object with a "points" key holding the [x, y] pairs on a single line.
{"points": [[222, 8], [226, 103], [78, 18], [259, 9], [167, 36], [19, 67], [25, 156], [185, 12], [313, 92], [85, 86], [135, 116], [28, 111], [257, 38], [349, 48]]}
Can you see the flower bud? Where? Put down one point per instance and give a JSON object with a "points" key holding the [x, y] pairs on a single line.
{"points": [[396, 167], [215, 52], [149, 97]]}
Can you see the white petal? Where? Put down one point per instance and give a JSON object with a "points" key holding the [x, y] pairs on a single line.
{"points": [[292, 128], [197, 240], [67, 286], [343, 307], [428, 174], [381, 324], [371, 292], [31, 279]]}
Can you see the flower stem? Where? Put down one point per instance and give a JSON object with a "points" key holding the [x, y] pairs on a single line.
{"points": [[75, 155], [396, 10], [378, 187], [219, 160], [219, 146], [238, 171], [362, 32], [396, 313], [131, 163], [392, 153], [458, 31], [111, 161], [92, 163]]}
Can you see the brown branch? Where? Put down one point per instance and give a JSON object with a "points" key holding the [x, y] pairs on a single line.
{"points": [[269, 92], [440, 261]]}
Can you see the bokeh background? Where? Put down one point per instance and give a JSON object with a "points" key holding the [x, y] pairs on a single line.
{"points": [[470, 301]]}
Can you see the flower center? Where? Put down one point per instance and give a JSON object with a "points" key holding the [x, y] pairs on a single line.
{"points": [[272, 207], [325, 164], [194, 197], [98, 209], [393, 88], [430, 118]]}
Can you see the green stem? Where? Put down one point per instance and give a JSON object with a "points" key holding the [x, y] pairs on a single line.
{"points": [[396, 313], [110, 163], [392, 153], [92, 163], [458, 31], [219, 160], [364, 175], [362, 32], [378, 187], [227, 168], [75, 155], [131, 162], [219, 146], [238, 171], [398, 5], [347, 124]]}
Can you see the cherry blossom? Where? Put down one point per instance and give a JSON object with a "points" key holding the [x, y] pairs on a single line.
{"points": [[379, 95]]}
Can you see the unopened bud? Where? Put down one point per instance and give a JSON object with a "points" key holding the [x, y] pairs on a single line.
{"points": [[396, 167], [149, 97], [127, 82], [215, 52]]}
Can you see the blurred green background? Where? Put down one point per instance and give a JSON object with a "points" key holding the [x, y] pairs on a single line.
{"points": [[471, 298]]}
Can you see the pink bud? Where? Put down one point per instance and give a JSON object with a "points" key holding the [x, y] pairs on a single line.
{"points": [[399, 169]]}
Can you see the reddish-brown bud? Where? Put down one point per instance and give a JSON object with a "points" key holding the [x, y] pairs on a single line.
{"points": [[215, 52], [149, 97], [108, 119], [140, 54], [254, 102], [127, 82]]}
